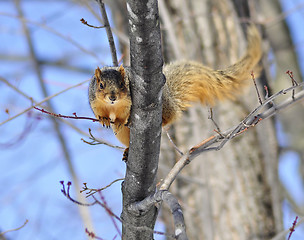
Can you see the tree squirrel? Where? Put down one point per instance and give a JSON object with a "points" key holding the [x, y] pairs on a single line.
{"points": [[186, 82]]}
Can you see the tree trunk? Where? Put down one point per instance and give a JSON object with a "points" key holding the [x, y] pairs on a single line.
{"points": [[225, 194], [146, 82]]}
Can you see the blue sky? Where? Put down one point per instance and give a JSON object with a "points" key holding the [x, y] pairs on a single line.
{"points": [[33, 166]]}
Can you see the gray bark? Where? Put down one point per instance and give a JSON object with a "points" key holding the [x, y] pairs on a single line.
{"points": [[146, 83]]}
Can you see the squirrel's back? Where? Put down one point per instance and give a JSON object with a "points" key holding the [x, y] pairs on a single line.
{"points": [[189, 81]]}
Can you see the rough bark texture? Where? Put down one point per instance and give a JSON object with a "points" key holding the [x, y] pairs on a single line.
{"points": [[146, 83]]}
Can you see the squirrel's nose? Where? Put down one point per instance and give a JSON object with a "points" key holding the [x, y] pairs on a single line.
{"points": [[112, 98]]}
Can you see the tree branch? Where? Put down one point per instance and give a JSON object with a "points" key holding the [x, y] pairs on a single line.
{"points": [[283, 234], [250, 121], [95, 141], [109, 32], [51, 30], [31, 99], [139, 207], [15, 229]]}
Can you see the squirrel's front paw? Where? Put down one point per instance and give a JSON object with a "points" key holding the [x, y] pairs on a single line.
{"points": [[105, 121]]}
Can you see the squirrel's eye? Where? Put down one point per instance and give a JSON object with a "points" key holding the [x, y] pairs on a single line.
{"points": [[101, 86]]}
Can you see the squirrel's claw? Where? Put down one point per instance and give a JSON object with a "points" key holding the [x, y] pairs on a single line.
{"points": [[125, 155]]}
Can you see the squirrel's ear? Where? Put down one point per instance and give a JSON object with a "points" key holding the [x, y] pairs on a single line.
{"points": [[97, 73], [122, 71]]}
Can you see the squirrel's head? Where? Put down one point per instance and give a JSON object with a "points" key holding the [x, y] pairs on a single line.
{"points": [[110, 84]]}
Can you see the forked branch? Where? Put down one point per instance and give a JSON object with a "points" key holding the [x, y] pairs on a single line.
{"points": [[256, 116], [171, 201]]}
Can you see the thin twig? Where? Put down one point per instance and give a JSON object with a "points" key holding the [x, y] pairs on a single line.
{"points": [[89, 25], [256, 87], [92, 235], [282, 235], [123, 38], [15, 229], [95, 140], [292, 229], [38, 103], [218, 130], [16, 89], [94, 190], [27, 129], [110, 213], [66, 116], [283, 15], [66, 192], [121, 59], [172, 142], [293, 81], [49, 29], [109, 32], [266, 92]]}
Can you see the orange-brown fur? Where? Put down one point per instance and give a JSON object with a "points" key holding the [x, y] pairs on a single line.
{"points": [[114, 113], [186, 82]]}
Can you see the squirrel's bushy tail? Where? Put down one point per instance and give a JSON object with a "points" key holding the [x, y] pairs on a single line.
{"points": [[191, 81]]}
